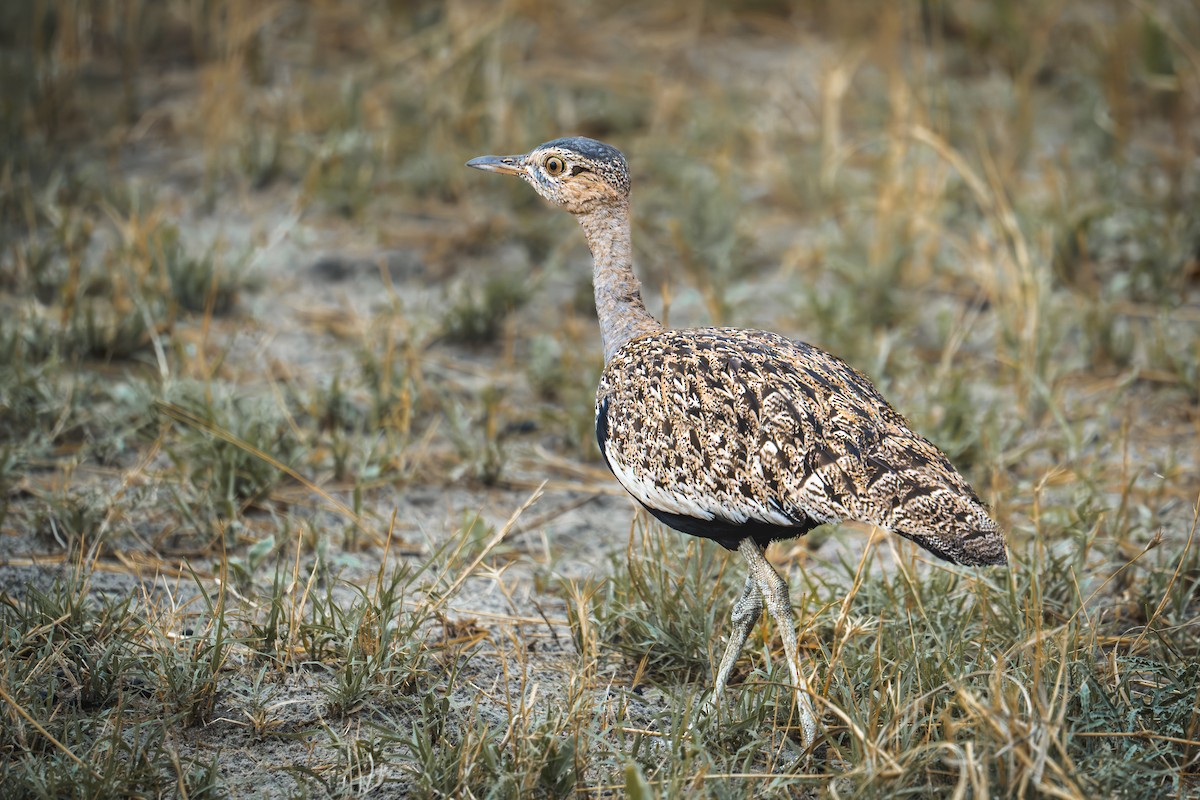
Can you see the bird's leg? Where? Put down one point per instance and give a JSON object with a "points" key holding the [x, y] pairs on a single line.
{"points": [[774, 591], [745, 613]]}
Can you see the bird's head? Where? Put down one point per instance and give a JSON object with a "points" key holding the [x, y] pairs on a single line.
{"points": [[576, 174]]}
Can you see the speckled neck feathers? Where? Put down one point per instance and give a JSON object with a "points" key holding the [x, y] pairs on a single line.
{"points": [[623, 315]]}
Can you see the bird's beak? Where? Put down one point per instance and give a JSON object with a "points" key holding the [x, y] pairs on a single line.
{"points": [[505, 165]]}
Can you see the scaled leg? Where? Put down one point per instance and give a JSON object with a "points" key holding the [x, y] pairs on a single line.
{"points": [[774, 591], [745, 614]]}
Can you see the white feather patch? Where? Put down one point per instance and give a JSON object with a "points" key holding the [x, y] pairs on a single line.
{"points": [[687, 501]]}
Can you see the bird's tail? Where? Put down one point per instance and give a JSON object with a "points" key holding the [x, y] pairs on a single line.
{"points": [[962, 533], [917, 493]]}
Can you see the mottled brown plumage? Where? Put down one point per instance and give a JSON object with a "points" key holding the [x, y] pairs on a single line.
{"points": [[729, 428], [744, 436]]}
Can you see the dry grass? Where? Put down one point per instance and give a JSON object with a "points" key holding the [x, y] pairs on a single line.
{"points": [[279, 376]]}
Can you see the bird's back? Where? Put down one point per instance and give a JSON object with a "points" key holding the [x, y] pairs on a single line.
{"points": [[728, 433]]}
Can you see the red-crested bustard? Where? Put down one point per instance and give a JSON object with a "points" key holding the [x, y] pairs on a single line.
{"points": [[743, 436]]}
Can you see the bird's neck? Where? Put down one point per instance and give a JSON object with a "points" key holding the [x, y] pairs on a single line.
{"points": [[623, 315]]}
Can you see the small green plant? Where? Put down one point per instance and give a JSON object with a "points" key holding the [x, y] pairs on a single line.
{"points": [[377, 645], [476, 316], [188, 663], [204, 283], [478, 437], [450, 761], [232, 445], [76, 521]]}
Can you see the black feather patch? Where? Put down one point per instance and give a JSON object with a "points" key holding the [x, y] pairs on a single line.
{"points": [[730, 534], [602, 430]]}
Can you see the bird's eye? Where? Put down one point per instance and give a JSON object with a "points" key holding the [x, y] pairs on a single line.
{"points": [[555, 166]]}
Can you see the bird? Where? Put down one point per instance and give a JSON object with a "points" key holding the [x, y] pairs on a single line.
{"points": [[741, 436]]}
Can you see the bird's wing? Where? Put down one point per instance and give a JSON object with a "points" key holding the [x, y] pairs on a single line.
{"points": [[749, 427], [742, 425]]}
